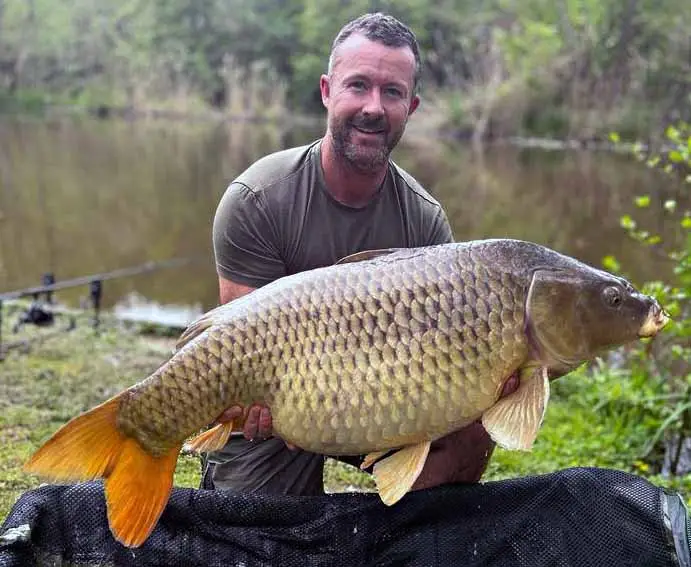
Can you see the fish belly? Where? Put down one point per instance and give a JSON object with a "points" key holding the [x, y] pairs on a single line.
{"points": [[358, 359]]}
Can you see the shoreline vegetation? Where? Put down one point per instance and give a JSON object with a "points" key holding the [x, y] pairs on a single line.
{"points": [[536, 70], [422, 126]]}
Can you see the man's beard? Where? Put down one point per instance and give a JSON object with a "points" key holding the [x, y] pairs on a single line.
{"points": [[364, 158]]}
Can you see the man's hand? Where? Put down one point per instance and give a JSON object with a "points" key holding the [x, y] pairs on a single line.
{"points": [[257, 420], [461, 456], [258, 425]]}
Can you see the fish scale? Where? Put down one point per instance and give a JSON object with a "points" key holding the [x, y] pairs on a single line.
{"points": [[360, 358], [397, 341]]}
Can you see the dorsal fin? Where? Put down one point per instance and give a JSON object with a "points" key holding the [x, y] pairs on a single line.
{"points": [[195, 329], [201, 324], [366, 255]]}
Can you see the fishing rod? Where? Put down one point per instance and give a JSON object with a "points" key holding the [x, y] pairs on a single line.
{"points": [[83, 280], [39, 314]]}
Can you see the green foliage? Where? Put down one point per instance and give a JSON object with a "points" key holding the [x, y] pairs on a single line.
{"points": [[609, 415], [26, 102], [340, 477], [660, 382], [60, 377], [550, 121], [592, 420], [571, 68]]}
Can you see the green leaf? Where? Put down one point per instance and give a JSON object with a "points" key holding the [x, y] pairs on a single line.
{"points": [[672, 133], [686, 222], [678, 350], [614, 137], [643, 201], [627, 222], [671, 205], [675, 156], [676, 414], [611, 264]]}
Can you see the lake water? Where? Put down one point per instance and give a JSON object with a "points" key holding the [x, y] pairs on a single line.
{"points": [[82, 196]]}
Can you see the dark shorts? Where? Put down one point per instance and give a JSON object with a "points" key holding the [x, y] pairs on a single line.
{"points": [[263, 466]]}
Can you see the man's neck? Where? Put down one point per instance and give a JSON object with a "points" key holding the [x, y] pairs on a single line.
{"points": [[346, 184]]}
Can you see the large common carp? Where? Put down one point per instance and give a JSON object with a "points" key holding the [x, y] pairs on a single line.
{"points": [[389, 349]]}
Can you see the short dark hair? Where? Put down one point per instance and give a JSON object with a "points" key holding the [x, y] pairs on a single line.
{"points": [[384, 29]]}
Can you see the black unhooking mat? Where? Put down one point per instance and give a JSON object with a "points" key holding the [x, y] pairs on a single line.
{"points": [[581, 517]]}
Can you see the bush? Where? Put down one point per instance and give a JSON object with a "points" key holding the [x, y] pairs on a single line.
{"points": [[658, 389]]}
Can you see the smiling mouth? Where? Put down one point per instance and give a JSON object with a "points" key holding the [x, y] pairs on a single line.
{"points": [[368, 131]]}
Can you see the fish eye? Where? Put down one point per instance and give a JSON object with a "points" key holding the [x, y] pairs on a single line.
{"points": [[612, 296]]}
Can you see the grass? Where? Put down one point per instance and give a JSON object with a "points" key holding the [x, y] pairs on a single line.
{"points": [[71, 372], [58, 378]]}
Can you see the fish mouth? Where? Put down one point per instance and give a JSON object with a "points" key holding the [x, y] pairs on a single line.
{"points": [[656, 319]]}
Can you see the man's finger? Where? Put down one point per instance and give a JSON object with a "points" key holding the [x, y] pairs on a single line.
{"points": [[230, 414], [265, 425], [251, 428], [511, 385]]}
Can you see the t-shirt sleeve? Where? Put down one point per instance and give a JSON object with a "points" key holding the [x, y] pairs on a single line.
{"points": [[440, 229], [244, 239]]}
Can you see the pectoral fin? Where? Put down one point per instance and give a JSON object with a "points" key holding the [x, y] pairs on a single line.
{"points": [[372, 458], [514, 421], [397, 473], [213, 439]]}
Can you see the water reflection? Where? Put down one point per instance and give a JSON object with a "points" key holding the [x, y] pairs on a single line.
{"points": [[82, 196], [136, 308], [572, 201]]}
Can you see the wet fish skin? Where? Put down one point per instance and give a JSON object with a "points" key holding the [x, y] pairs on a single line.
{"points": [[387, 350], [351, 359]]}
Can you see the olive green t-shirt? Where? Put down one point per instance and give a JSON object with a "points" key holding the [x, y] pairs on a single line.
{"points": [[278, 218]]}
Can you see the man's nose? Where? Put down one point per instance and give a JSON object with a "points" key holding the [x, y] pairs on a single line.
{"points": [[373, 105]]}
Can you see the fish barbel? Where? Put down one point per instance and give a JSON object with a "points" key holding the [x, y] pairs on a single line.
{"points": [[387, 350]]}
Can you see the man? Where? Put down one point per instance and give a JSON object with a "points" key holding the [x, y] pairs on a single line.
{"points": [[308, 207]]}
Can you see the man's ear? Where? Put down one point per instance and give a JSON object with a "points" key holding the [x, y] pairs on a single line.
{"points": [[325, 89], [414, 103]]}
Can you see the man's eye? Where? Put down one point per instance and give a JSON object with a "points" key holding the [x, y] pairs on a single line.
{"points": [[358, 85], [394, 92]]}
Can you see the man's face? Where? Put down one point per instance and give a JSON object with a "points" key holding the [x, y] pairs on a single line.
{"points": [[368, 97]]}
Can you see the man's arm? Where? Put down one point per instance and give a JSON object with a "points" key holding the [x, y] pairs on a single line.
{"points": [[247, 257], [245, 243], [229, 290]]}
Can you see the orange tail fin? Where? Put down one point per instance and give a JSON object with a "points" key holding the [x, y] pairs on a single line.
{"points": [[137, 492], [137, 484]]}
